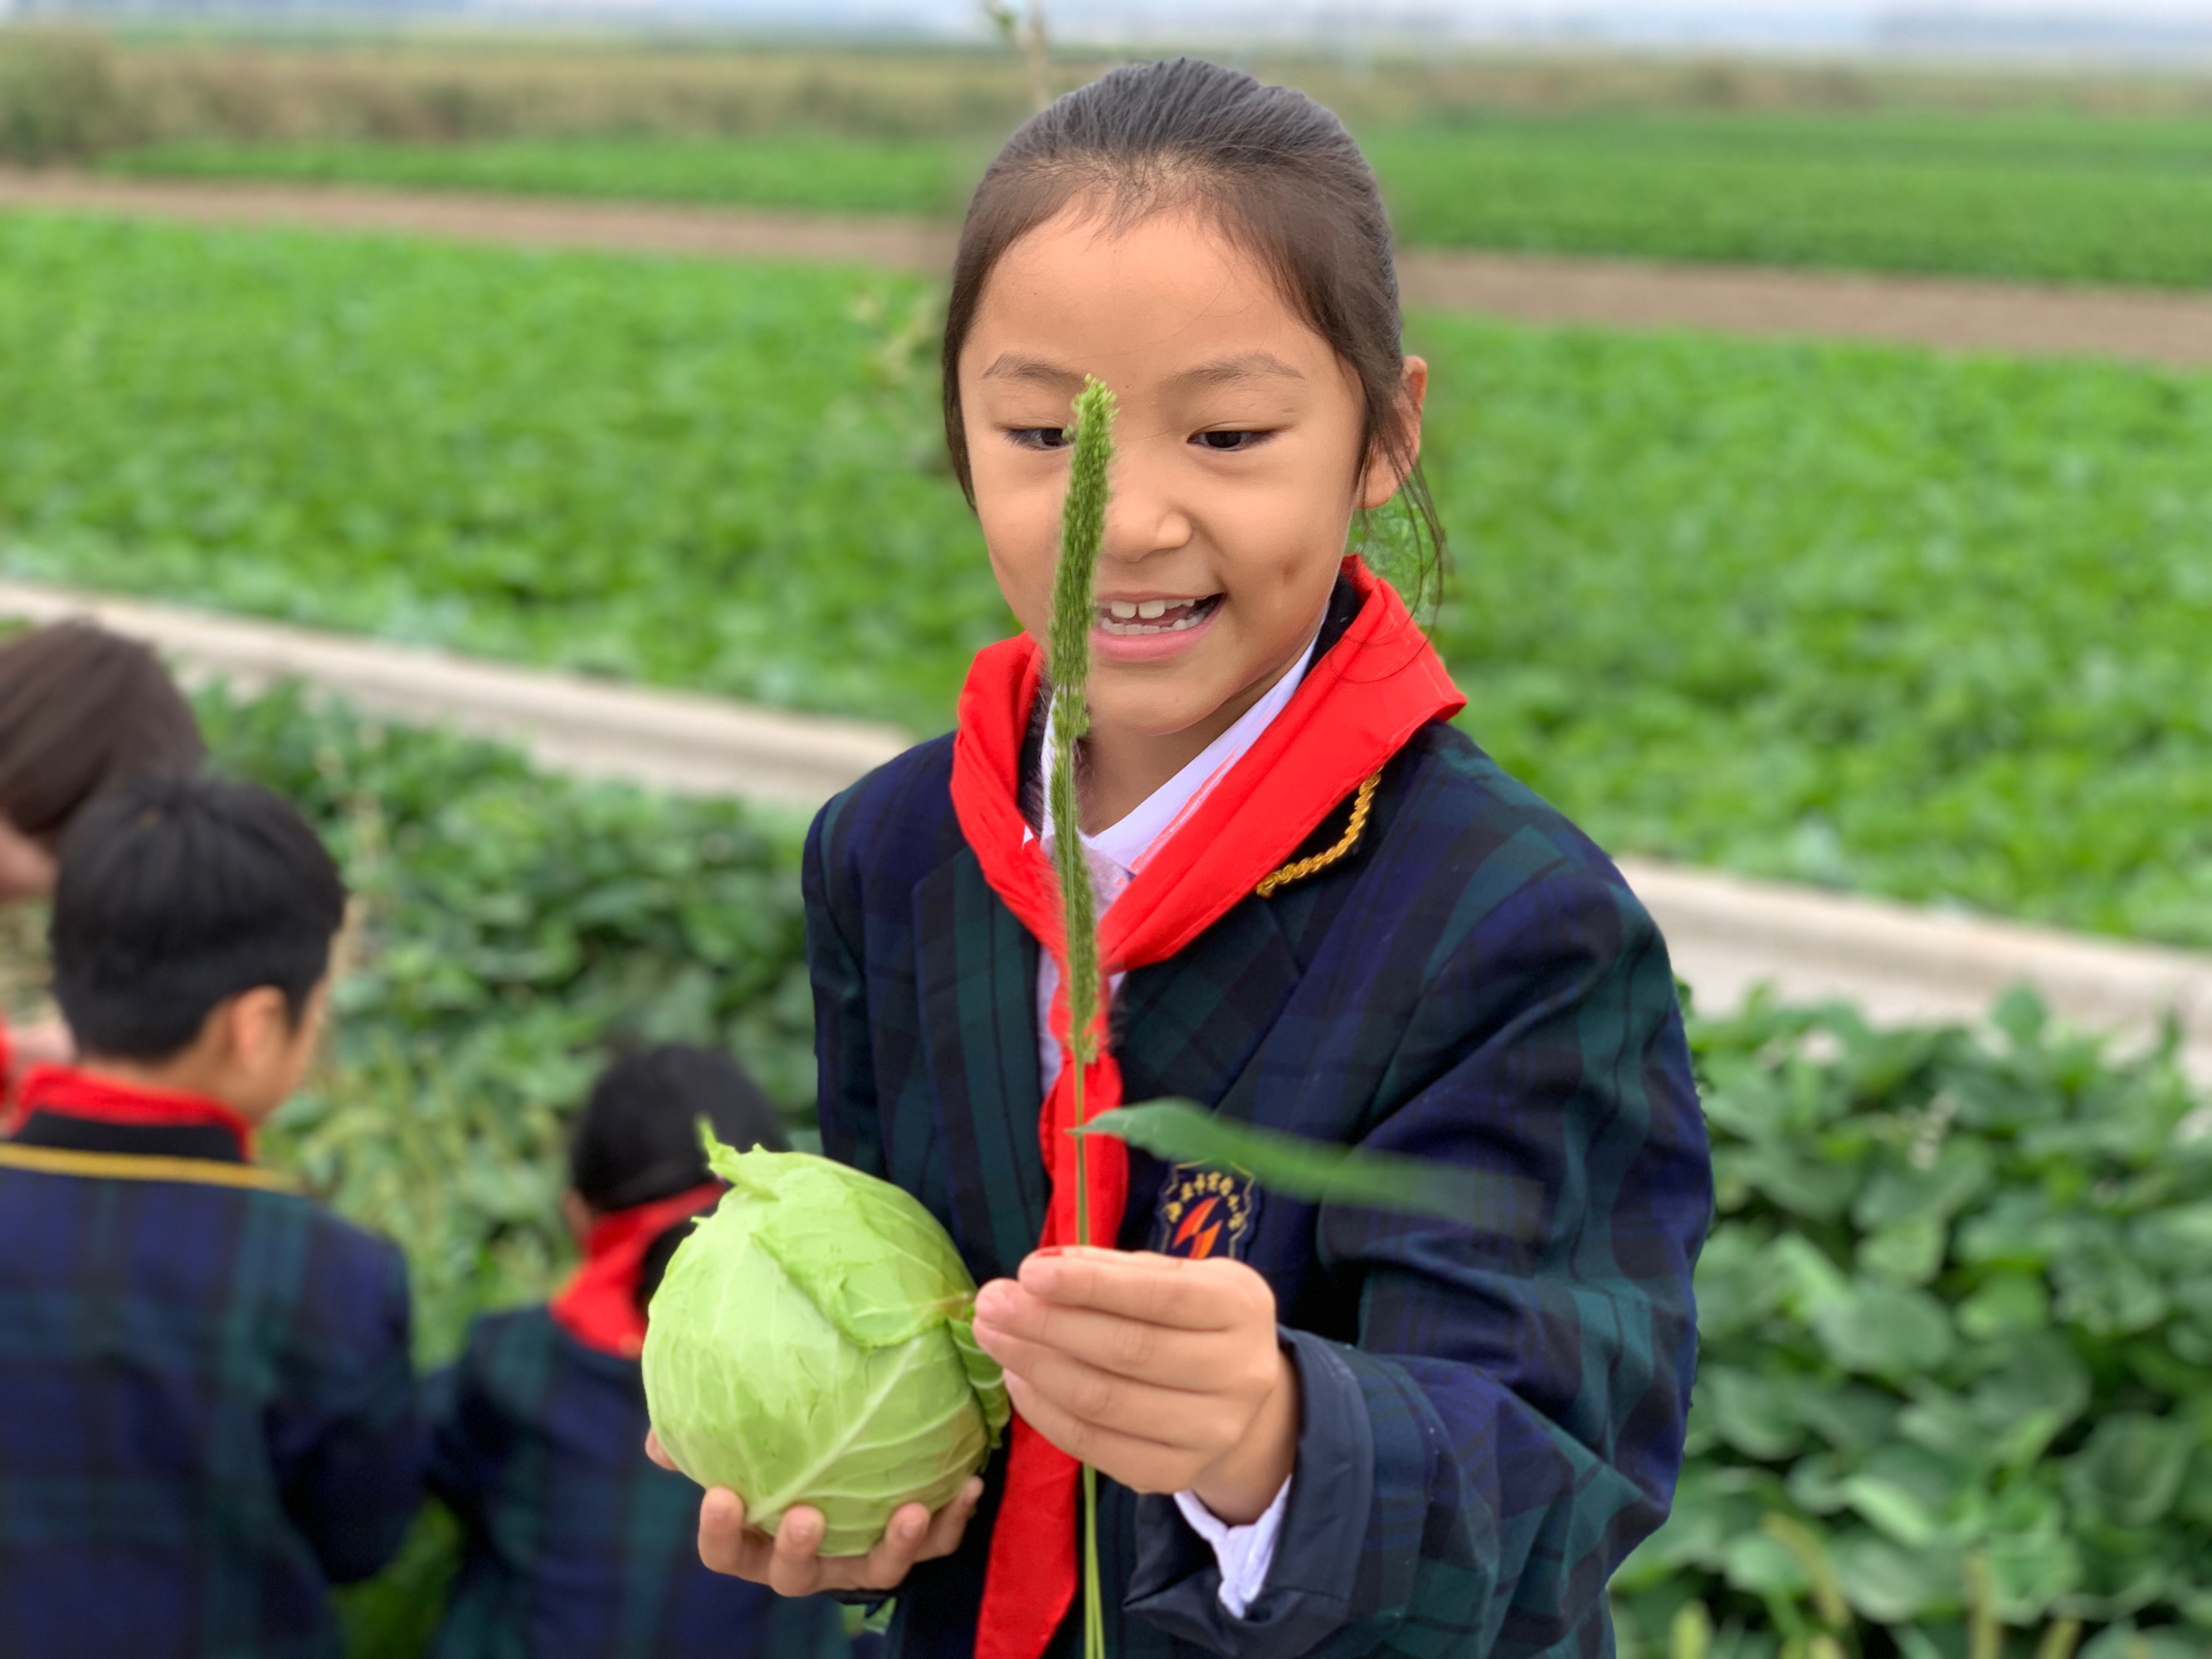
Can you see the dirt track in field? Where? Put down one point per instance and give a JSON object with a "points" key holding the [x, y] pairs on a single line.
{"points": [[2139, 324]]}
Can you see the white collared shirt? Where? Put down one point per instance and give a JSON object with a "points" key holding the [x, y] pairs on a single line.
{"points": [[1115, 856]]}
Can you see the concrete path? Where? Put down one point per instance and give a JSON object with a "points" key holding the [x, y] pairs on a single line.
{"points": [[2138, 324], [1727, 934]]}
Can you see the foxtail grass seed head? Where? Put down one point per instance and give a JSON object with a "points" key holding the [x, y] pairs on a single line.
{"points": [[1082, 529]]}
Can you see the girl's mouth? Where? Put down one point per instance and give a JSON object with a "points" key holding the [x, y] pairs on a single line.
{"points": [[1137, 619]]}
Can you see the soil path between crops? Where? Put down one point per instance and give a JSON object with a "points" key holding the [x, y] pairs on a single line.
{"points": [[2168, 328]]}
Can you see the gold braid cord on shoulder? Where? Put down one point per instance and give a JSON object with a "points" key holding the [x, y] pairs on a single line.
{"points": [[1362, 803], [131, 1166]]}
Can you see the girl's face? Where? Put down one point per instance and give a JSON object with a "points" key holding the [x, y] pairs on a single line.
{"points": [[1237, 460]]}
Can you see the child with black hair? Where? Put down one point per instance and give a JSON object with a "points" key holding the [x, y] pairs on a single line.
{"points": [[576, 1544], [210, 1409]]}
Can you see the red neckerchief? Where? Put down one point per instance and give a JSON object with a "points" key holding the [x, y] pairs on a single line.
{"points": [[598, 1304], [71, 1091], [7, 1079], [1357, 706]]}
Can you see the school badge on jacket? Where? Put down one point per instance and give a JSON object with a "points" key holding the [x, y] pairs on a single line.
{"points": [[1204, 1212]]}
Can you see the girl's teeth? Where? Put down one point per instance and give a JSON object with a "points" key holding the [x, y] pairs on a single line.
{"points": [[1140, 617]]}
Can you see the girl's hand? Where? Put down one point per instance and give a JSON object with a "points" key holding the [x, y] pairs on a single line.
{"points": [[789, 1563], [1163, 1373]]}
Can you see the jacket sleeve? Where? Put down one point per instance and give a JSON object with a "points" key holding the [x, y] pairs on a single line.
{"points": [[1509, 1423], [465, 1436], [348, 1443], [845, 1099]]}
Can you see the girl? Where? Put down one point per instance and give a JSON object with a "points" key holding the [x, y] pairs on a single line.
{"points": [[81, 711], [1318, 1429]]}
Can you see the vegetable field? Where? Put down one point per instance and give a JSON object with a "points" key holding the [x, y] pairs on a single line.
{"points": [[1956, 1317], [2053, 197], [1932, 627]]}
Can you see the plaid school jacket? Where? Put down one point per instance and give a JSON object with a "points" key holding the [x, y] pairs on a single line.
{"points": [[207, 1409], [577, 1546], [1492, 1409]]}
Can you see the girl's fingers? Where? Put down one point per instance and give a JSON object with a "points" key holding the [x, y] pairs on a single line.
{"points": [[1156, 1289], [894, 1553], [1168, 1418], [653, 1451], [1141, 1465], [1128, 1347], [725, 1546], [792, 1562], [795, 1563], [950, 1524]]}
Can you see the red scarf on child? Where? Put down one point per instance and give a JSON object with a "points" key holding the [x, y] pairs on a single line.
{"points": [[1378, 685], [598, 1304], [68, 1091]]}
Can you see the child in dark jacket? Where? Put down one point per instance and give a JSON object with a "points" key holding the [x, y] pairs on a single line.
{"points": [[576, 1545], [211, 1414]]}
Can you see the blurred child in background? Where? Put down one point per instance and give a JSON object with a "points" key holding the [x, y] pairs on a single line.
{"points": [[81, 711], [210, 1412], [576, 1544]]}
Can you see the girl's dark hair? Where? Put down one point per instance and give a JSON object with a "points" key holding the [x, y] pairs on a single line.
{"points": [[1276, 172], [637, 1138], [81, 711]]}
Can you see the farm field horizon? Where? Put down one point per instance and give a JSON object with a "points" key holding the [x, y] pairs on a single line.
{"points": [[1919, 625], [2054, 198]]}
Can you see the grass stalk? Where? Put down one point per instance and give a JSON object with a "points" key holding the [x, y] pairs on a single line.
{"points": [[1083, 529]]}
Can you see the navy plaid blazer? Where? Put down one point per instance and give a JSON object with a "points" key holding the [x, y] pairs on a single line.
{"points": [[1493, 1409], [208, 1413], [576, 1544]]}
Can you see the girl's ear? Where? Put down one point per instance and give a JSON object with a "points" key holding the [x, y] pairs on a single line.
{"points": [[1393, 455], [27, 865], [580, 1217]]}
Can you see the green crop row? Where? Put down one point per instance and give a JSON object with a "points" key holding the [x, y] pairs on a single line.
{"points": [[1957, 1310], [1921, 625], [2052, 197]]}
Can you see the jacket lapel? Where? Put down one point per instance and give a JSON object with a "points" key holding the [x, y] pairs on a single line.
{"points": [[976, 971]]}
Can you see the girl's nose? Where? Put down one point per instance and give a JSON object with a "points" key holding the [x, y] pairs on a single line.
{"points": [[1146, 514]]}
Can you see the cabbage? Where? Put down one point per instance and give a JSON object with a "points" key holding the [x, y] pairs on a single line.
{"points": [[812, 1343]]}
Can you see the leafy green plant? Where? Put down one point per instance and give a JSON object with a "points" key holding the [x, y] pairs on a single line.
{"points": [[1956, 1313], [813, 1343]]}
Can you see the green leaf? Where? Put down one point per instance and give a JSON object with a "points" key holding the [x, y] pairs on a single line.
{"points": [[1759, 1565], [2008, 1304], [1906, 1252], [2129, 1470], [1318, 1172], [1885, 1331], [1752, 1412], [1892, 1585]]}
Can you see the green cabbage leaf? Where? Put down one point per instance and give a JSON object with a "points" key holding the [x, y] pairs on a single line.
{"points": [[812, 1343]]}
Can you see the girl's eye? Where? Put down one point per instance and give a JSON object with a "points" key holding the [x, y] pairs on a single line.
{"points": [[1228, 443], [1039, 437]]}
